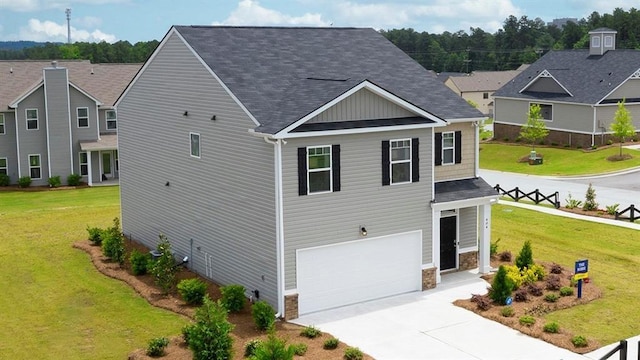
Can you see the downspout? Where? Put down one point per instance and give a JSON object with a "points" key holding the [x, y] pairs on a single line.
{"points": [[277, 150], [17, 124], [593, 133], [476, 125]]}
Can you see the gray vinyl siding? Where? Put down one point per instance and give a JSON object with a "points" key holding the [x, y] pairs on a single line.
{"points": [[467, 167], [79, 100], [630, 89], [330, 218], [224, 201], [102, 122], [567, 117], [8, 146], [361, 105], [546, 85], [33, 141], [606, 114], [59, 134], [468, 227]]}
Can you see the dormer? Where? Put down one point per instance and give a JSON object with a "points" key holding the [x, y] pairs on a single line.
{"points": [[601, 40]]}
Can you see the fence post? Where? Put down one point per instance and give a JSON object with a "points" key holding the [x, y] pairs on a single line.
{"points": [[623, 349], [557, 202], [537, 198], [517, 194], [632, 209]]}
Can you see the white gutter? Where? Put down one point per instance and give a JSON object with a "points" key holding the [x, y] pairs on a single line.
{"points": [[17, 123], [594, 126]]}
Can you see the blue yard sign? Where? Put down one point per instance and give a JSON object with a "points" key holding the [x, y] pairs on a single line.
{"points": [[581, 272]]}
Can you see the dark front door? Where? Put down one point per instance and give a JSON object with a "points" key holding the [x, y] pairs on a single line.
{"points": [[448, 242]]}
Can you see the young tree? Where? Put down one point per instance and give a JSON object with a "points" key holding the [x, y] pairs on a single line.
{"points": [[622, 126], [164, 269], [210, 337], [590, 199], [535, 128], [525, 257], [501, 287]]}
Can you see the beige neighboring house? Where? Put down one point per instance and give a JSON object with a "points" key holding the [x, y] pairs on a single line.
{"points": [[57, 118], [479, 86]]}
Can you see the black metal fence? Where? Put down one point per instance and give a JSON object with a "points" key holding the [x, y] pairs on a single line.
{"points": [[536, 196], [622, 348], [634, 214]]}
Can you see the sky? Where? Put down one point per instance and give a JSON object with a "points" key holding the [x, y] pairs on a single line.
{"points": [[144, 20]]}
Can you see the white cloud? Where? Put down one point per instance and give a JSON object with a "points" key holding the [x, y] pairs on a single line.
{"points": [[36, 5], [37, 30], [20, 5], [249, 12], [87, 21]]}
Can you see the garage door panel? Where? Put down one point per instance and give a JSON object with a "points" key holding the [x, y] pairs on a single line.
{"points": [[357, 271]]}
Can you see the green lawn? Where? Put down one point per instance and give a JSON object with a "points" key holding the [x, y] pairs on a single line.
{"points": [[557, 161], [54, 304], [614, 257]]}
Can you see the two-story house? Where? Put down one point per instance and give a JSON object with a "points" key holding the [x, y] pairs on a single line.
{"points": [[317, 167], [57, 119]]}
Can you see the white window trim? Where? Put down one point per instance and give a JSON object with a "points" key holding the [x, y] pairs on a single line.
{"points": [[608, 41], [4, 124], [78, 117], [595, 42], [6, 165], [452, 148], [80, 163], [392, 162], [549, 104], [309, 171], [191, 144], [33, 167], [26, 116], [114, 120]]}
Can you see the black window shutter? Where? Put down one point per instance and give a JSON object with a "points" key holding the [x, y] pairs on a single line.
{"points": [[458, 147], [302, 171], [438, 154], [335, 164], [415, 160], [386, 178]]}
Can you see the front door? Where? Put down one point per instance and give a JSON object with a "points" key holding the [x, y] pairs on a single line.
{"points": [[448, 239], [106, 164]]}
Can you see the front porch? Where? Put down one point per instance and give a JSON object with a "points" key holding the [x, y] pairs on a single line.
{"points": [[101, 167]]}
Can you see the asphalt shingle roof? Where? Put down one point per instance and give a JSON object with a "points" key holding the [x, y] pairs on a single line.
{"points": [[483, 80], [455, 190], [588, 78], [283, 74]]}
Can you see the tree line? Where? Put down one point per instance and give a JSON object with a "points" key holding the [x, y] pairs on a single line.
{"points": [[102, 52]]}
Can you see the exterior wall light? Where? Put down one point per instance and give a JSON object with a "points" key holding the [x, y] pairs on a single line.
{"points": [[363, 231]]}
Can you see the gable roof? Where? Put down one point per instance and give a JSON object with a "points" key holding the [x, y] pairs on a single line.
{"points": [[483, 80], [282, 74], [586, 79], [102, 82]]}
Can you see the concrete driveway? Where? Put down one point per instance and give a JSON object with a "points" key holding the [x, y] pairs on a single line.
{"points": [[426, 325]]}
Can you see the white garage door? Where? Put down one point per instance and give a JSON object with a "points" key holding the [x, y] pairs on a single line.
{"points": [[356, 271]]}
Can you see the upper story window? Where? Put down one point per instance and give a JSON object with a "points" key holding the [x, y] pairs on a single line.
{"points": [[35, 171], [318, 169], [595, 41], [2, 130], [400, 161], [195, 145], [608, 41], [546, 111], [112, 122], [84, 164], [83, 117], [32, 119], [485, 95], [3, 166], [448, 148]]}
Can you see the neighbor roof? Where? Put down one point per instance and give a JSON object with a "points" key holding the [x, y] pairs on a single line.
{"points": [[281, 74], [104, 82], [588, 78], [483, 80]]}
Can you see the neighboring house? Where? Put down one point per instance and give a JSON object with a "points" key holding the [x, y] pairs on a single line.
{"points": [[317, 167], [479, 86], [57, 119], [578, 91]]}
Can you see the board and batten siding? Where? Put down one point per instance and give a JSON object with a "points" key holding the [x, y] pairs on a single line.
{"points": [[58, 121], [218, 209], [8, 146], [468, 227], [467, 167], [362, 105], [331, 218], [33, 141], [566, 117]]}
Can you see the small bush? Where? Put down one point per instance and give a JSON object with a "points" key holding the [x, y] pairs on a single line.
{"points": [[310, 332], [501, 287], [493, 248], [139, 262], [527, 320], [553, 282], [54, 181], [233, 297], [210, 336], [521, 295], [612, 209], [331, 343], [251, 346], [74, 179], [156, 346], [274, 348], [551, 297], [482, 301], [5, 180], [24, 182], [186, 330], [534, 290], [353, 353], [590, 199], [299, 349], [551, 327], [555, 268], [163, 268], [566, 291], [525, 257], [507, 311], [579, 341], [505, 256], [113, 242], [263, 315], [192, 291], [95, 235], [572, 203]]}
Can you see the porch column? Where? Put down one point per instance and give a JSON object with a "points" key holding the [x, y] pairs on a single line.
{"points": [[89, 169], [484, 245], [436, 244]]}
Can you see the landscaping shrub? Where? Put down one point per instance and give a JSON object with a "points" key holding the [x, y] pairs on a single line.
{"points": [[164, 268], [612, 209], [263, 315], [156, 346], [534, 290], [590, 199], [139, 262], [299, 349], [274, 348], [551, 297], [572, 203], [579, 341], [95, 235], [210, 337], [74, 179], [192, 291], [555, 268], [310, 332], [482, 301], [501, 287], [507, 311], [566, 291], [251, 346], [113, 242], [551, 327], [527, 320], [353, 353], [505, 256], [553, 282], [514, 276], [5, 180], [493, 248], [331, 343], [233, 297], [54, 181], [525, 257], [24, 182], [521, 295]]}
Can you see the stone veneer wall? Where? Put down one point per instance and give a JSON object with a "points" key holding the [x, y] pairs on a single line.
{"points": [[428, 278], [468, 260], [291, 307]]}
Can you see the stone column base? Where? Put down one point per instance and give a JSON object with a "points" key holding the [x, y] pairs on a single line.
{"points": [[468, 261], [291, 307], [428, 278]]}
